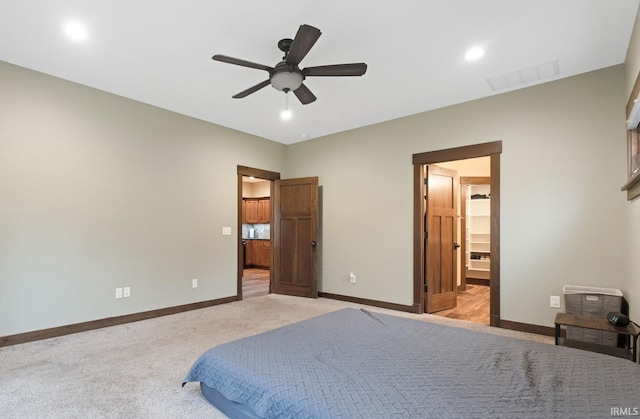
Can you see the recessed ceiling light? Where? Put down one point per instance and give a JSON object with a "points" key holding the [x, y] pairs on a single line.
{"points": [[75, 30], [474, 53]]}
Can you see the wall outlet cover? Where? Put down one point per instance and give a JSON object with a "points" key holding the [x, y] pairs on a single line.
{"points": [[127, 292], [194, 283], [554, 301], [118, 292]]}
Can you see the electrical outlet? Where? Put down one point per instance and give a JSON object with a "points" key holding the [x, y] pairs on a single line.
{"points": [[554, 301], [118, 292], [194, 283], [127, 292], [352, 278]]}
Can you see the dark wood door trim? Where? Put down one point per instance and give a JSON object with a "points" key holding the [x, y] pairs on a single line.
{"points": [[494, 282], [493, 150], [452, 154], [260, 174], [419, 191]]}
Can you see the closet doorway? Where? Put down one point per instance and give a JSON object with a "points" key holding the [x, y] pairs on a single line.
{"points": [[474, 235], [484, 261]]}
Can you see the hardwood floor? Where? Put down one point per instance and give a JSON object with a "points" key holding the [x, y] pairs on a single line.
{"points": [[473, 305], [255, 282]]}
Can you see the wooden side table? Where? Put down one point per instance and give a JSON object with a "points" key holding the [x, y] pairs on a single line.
{"points": [[597, 323]]}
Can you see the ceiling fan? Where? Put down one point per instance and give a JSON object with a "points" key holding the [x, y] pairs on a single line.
{"points": [[286, 76]]}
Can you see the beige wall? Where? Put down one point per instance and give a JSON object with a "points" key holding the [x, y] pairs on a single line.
{"points": [[563, 217], [99, 192]]}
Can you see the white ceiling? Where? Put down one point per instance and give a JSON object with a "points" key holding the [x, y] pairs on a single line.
{"points": [[159, 52]]}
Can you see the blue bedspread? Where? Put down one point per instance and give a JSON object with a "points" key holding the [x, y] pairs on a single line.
{"points": [[355, 363]]}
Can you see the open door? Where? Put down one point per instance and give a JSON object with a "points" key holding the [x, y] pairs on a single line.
{"points": [[441, 232], [295, 237], [420, 160]]}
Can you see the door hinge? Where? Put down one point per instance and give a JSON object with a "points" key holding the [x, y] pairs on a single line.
{"points": [[426, 288], [426, 235]]}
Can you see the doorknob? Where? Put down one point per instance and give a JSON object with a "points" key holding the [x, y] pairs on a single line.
{"points": [[455, 246], [315, 244]]}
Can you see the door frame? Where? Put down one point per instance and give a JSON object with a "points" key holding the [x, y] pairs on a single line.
{"points": [[259, 174], [492, 150]]}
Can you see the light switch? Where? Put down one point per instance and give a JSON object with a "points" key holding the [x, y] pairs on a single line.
{"points": [[226, 231]]}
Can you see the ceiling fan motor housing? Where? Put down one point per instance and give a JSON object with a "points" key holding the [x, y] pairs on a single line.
{"points": [[285, 77], [284, 45]]}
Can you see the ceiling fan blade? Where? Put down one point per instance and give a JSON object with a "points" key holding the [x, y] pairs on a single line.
{"points": [[304, 95], [302, 43], [243, 63], [253, 89], [355, 69]]}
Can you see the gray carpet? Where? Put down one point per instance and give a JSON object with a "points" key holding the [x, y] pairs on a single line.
{"points": [[136, 370]]}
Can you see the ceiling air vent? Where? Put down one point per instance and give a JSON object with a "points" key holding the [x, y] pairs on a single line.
{"points": [[525, 76]]}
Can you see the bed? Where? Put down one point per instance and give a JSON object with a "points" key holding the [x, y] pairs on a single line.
{"points": [[357, 363]]}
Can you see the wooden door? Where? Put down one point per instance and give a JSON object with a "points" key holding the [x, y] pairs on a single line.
{"points": [[295, 237], [441, 247]]}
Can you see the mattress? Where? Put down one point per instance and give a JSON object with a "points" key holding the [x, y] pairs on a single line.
{"points": [[357, 363]]}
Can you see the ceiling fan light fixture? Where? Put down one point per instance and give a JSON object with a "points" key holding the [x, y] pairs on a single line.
{"points": [[286, 81], [286, 78]]}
